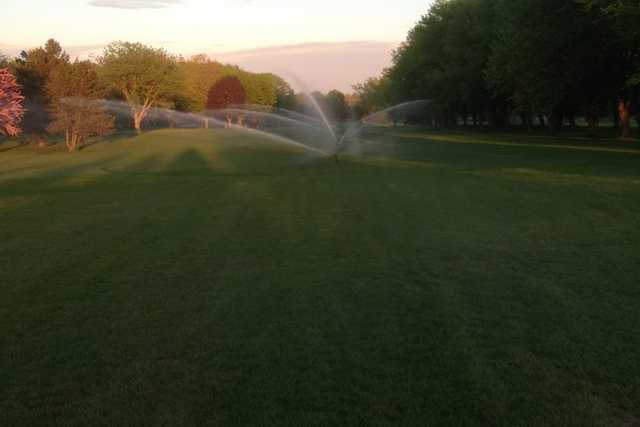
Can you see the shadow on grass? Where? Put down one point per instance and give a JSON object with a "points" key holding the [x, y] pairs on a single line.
{"points": [[6, 145]]}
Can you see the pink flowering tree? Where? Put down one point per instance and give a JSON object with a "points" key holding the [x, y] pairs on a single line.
{"points": [[11, 104]]}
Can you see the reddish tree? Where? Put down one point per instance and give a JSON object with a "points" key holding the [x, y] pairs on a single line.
{"points": [[11, 104], [226, 93]]}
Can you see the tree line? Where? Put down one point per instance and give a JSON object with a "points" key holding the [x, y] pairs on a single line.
{"points": [[43, 90], [532, 63]]}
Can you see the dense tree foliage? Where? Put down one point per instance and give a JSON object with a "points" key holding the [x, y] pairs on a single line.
{"points": [[141, 74], [200, 74], [336, 105], [260, 89], [621, 18], [501, 62], [228, 92], [78, 120], [285, 95], [34, 66], [11, 104], [72, 98], [444, 58], [32, 69], [75, 79], [371, 96], [75, 88]]}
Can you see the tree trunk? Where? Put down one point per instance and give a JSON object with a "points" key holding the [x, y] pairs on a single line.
{"points": [[205, 123], [556, 120], [229, 121], [543, 122], [526, 118], [139, 112], [137, 121], [593, 118], [71, 141], [624, 113]]}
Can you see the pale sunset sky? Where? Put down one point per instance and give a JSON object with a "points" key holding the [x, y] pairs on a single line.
{"points": [[324, 44]]}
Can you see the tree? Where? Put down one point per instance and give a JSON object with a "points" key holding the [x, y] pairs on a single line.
{"points": [[11, 104], [444, 58], [225, 93], [371, 96], [260, 88], [551, 58], [336, 105], [34, 66], [32, 69], [622, 17], [198, 74], [77, 79], [142, 74], [79, 119], [285, 95], [489, 59], [74, 89]]}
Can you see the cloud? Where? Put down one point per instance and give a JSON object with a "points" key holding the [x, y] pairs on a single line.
{"points": [[134, 4], [317, 66]]}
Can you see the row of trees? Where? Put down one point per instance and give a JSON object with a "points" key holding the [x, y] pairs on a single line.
{"points": [[542, 62], [62, 96], [66, 97]]}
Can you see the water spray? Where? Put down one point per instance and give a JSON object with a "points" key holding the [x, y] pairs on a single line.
{"points": [[312, 133]]}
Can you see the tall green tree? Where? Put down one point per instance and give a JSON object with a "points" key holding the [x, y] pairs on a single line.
{"points": [[142, 74], [32, 69], [285, 95], [444, 58], [549, 57], [34, 66], [621, 17]]}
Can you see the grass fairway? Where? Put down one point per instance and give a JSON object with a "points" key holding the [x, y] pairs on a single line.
{"points": [[200, 277]]}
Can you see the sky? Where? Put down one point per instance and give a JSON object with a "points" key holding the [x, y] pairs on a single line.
{"points": [[320, 44]]}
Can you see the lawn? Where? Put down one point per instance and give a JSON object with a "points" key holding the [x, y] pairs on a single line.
{"points": [[194, 277]]}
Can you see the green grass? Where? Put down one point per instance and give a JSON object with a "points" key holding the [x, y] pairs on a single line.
{"points": [[192, 277]]}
